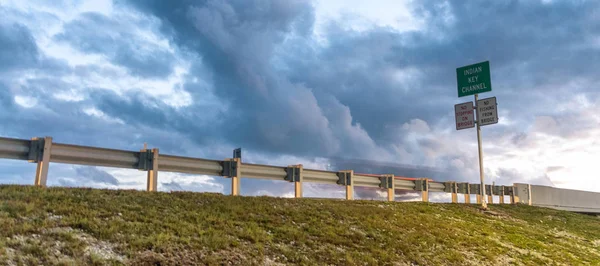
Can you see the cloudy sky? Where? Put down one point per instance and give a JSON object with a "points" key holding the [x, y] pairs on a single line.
{"points": [[332, 84]]}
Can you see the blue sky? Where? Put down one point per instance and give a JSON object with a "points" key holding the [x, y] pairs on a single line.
{"points": [[331, 84]]}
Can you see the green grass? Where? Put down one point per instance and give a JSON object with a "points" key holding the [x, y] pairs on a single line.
{"points": [[68, 226]]}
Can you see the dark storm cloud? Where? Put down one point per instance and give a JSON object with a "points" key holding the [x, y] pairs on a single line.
{"points": [[6, 98], [18, 49], [110, 36], [139, 110], [67, 122], [237, 42], [531, 46], [275, 90], [292, 95], [382, 167]]}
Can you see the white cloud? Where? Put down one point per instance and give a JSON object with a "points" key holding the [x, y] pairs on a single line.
{"points": [[26, 101], [362, 15], [99, 114], [144, 29], [416, 126]]}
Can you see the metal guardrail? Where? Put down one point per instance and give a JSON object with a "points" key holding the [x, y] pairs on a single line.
{"points": [[263, 172], [319, 176], [187, 165], [72, 154], [437, 187], [42, 151], [17, 149]]}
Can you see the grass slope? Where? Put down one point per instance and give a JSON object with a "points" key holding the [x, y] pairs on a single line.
{"points": [[67, 226]]}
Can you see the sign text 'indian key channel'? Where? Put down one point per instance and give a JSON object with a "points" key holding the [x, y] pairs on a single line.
{"points": [[474, 79]]}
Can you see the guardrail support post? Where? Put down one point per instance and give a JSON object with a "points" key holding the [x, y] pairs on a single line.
{"points": [[346, 178], [387, 182], [232, 168], [490, 195], [468, 194], [39, 152], [510, 192], [501, 195], [422, 184], [148, 161], [476, 189], [294, 174], [391, 191], [153, 172], [465, 189], [452, 187]]}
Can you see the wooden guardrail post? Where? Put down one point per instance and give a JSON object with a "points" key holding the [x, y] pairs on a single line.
{"points": [[294, 174], [346, 178], [501, 194], [510, 192], [387, 182], [153, 172], [422, 184], [148, 161], [232, 169], [452, 187], [489, 193], [39, 152], [468, 194], [476, 189], [465, 189]]}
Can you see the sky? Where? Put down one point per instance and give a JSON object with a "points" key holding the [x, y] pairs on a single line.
{"points": [[331, 84]]}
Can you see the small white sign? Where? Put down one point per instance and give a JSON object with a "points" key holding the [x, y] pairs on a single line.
{"points": [[487, 111], [464, 114]]}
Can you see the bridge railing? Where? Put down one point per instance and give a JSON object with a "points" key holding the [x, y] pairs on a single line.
{"points": [[43, 151]]}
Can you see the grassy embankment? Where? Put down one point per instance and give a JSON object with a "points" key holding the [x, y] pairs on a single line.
{"points": [[61, 226]]}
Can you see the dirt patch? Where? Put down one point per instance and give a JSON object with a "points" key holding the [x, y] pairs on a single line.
{"points": [[53, 217], [52, 242], [504, 260], [95, 247], [563, 234], [149, 258], [501, 216], [10, 256], [271, 262], [520, 250]]}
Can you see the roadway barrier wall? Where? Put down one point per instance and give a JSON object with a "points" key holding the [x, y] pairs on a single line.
{"points": [[558, 198]]}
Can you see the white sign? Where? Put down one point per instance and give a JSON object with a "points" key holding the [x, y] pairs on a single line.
{"points": [[465, 117], [487, 111]]}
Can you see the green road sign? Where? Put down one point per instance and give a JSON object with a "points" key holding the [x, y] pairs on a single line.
{"points": [[474, 79]]}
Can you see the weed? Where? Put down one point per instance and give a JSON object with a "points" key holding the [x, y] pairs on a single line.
{"points": [[75, 226]]}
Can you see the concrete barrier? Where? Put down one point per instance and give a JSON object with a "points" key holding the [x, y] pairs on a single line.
{"points": [[558, 198]]}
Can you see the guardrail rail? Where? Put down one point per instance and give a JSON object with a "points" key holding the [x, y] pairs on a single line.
{"points": [[42, 151]]}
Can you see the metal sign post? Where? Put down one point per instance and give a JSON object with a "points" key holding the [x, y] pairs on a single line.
{"points": [[482, 191], [472, 80]]}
